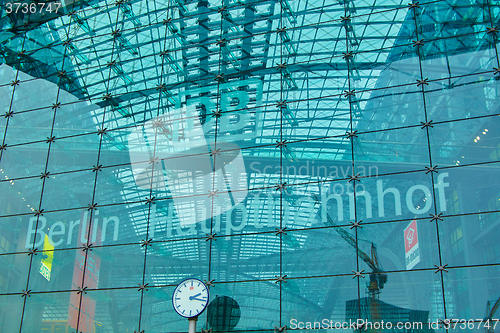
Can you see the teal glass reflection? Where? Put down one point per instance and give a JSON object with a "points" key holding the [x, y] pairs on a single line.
{"points": [[328, 146], [13, 305]]}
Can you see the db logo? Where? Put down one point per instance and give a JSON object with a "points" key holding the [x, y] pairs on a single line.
{"points": [[409, 236], [175, 156]]}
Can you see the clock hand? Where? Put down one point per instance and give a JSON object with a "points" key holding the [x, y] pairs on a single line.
{"points": [[198, 299], [194, 296]]}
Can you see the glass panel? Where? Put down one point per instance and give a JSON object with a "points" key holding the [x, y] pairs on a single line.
{"points": [[118, 224], [89, 311], [423, 303], [460, 64], [469, 239], [12, 235], [11, 309], [21, 196], [245, 257], [369, 24], [7, 76], [433, 14], [34, 95], [112, 180], [317, 252], [29, 126], [115, 147], [89, 115], [398, 246], [56, 196], [73, 153], [24, 161], [384, 152], [469, 189], [55, 270], [402, 196], [186, 257], [114, 267], [466, 142], [324, 300], [471, 293], [248, 142], [15, 273], [392, 100], [306, 162], [467, 97], [46, 311], [258, 302]]}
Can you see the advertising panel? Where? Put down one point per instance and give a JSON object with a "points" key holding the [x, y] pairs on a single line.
{"points": [[412, 252]]}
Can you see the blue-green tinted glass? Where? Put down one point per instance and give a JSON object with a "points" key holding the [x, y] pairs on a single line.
{"points": [[317, 164]]}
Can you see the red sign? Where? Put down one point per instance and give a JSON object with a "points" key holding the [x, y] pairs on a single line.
{"points": [[412, 252], [411, 236]]}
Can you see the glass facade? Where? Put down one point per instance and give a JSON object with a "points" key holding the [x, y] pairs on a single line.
{"points": [[315, 162]]}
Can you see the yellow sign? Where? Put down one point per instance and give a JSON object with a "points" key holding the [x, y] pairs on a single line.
{"points": [[46, 264]]}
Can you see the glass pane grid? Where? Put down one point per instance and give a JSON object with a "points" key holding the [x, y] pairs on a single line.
{"points": [[314, 163]]}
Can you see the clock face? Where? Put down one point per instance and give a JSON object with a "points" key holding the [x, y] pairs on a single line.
{"points": [[190, 298]]}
